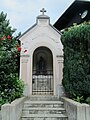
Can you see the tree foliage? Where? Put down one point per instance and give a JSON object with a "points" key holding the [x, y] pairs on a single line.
{"points": [[76, 42], [10, 85]]}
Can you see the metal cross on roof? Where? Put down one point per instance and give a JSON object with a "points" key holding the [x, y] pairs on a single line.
{"points": [[43, 11]]}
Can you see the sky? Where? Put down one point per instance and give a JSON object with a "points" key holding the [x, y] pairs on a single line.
{"points": [[22, 13]]}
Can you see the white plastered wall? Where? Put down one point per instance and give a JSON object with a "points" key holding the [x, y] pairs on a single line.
{"points": [[42, 35]]}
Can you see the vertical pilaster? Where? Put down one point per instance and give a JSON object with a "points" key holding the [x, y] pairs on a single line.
{"points": [[24, 72], [59, 87], [60, 68]]}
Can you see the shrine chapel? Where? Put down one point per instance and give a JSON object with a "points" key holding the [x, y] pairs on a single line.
{"points": [[41, 59]]}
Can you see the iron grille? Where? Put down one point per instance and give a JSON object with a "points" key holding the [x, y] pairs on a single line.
{"points": [[42, 82]]}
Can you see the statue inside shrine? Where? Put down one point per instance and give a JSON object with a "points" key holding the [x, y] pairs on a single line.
{"points": [[41, 66]]}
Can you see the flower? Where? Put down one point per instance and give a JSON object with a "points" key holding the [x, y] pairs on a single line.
{"points": [[16, 55], [19, 49], [25, 51], [9, 37], [3, 38]]}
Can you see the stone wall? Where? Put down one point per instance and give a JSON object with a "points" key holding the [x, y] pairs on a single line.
{"points": [[75, 110], [0, 115], [12, 111]]}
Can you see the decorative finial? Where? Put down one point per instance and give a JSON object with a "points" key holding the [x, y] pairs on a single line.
{"points": [[43, 11]]}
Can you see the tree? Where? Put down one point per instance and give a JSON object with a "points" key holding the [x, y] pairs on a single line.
{"points": [[76, 42], [10, 85]]}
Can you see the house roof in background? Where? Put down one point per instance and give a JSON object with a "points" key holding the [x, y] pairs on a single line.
{"points": [[78, 12]]}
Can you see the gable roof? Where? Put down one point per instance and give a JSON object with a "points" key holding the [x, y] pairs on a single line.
{"points": [[27, 31], [39, 17]]}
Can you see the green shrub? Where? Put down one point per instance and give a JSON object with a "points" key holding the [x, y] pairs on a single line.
{"points": [[78, 98], [76, 42], [12, 89], [88, 100], [10, 85]]}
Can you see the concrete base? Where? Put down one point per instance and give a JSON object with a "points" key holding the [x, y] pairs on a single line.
{"points": [[60, 92], [26, 90]]}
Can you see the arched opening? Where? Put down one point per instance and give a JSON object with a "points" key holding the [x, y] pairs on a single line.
{"points": [[42, 78]]}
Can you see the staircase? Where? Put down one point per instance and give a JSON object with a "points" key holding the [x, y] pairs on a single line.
{"points": [[43, 108]]}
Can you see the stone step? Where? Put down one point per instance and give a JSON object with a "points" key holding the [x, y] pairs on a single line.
{"points": [[49, 104], [43, 98], [44, 117], [60, 102], [43, 111], [43, 108]]}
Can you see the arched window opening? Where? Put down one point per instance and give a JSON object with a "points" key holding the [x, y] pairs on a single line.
{"points": [[42, 80]]}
